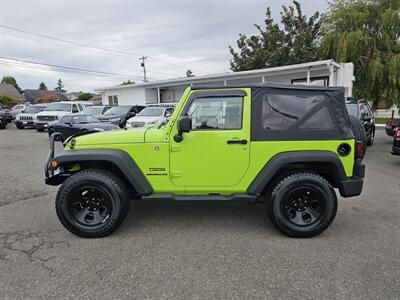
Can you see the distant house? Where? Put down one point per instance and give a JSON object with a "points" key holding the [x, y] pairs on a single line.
{"points": [[73, 95], [10, 91], [41, 96]]}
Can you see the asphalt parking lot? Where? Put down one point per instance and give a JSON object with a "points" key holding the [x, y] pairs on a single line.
{"points": [[194, 250]]}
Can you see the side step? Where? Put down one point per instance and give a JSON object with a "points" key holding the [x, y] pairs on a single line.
{"points": [[200, 198]]}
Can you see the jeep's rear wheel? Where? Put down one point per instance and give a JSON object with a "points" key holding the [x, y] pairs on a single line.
{"points": [[92, 203], [302, 205]]}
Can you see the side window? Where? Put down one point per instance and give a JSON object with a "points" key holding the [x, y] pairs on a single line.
{"points": [[279, 112], [80, 106], [216, 113], [66, 120], [115, 100], [75, 108], [168, 111]]}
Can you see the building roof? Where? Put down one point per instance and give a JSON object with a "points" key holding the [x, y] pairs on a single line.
{"points": [[322, 64], [9, 90], [33, 95]]}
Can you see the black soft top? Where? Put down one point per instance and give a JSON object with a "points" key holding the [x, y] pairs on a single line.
{"points": [[295, 112]]}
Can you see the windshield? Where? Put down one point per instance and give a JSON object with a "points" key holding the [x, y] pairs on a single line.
{"points": [[18, 107], [93, 110], [151, 112], [352, 109], [80, 119], [58, 107], [118, 110], [34, 109]]}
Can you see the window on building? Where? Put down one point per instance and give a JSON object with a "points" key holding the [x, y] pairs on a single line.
{"points": [[115, 100], [216, 113], [321, 81]]}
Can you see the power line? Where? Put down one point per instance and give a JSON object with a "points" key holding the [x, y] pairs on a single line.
{"points": [[90, 46], [71, 68]]}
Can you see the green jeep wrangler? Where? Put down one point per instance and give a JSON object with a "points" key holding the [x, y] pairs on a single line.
{"points": [[288, 146]]}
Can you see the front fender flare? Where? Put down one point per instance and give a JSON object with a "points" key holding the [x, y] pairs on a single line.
{"points": [[119, 158]]}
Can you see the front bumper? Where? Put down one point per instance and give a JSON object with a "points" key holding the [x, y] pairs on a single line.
{"points": [[24, 122], [353, 186], [40, 124], [396, 146]]}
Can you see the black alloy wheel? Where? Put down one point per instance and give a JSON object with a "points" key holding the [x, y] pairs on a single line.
{"points": [[89, 205], [302, 205]]}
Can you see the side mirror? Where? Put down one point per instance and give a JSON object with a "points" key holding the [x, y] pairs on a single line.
{"points": [[184, 125]]}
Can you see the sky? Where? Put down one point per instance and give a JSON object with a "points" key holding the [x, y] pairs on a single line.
{"points": [[110, 37]]}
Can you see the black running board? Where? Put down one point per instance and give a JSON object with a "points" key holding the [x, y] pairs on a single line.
{"points": [[200, 198]]}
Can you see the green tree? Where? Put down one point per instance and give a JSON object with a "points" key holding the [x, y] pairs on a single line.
{"points": [[60, 87], [189, 73], [296, 42], [85, 96], [127, 82], [42, 86], [367, 33], [8, 101], [11, 80]]}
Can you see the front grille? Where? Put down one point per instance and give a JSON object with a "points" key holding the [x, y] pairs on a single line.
{"points": [[46, 118], [25, 118], [137, 124]]}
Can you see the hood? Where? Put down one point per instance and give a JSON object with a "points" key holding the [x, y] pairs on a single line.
{"points": [[118, 136], [53, 113], [101, 125]]}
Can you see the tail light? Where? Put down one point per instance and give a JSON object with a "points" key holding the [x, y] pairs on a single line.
{"points": [[359, 150]]}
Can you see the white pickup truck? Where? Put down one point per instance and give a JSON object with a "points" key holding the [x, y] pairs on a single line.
{"points": [[55, 111]]}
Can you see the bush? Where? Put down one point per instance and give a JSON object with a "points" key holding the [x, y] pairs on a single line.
{"points": [[8, 101]]}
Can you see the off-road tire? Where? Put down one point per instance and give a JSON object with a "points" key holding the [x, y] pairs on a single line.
{"points": [[359, 132], [97, 178], [371, 138], [276, 201]]}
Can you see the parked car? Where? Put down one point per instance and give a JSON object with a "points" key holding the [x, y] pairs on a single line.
{"points": [[362, 110], [118, 115], [391, 125], [54, 111], [7, 113], [268, 142], [72, 124], [3, 119], [150, 115], [25, 119], [96, 110], [17, 109], [396, 142]]}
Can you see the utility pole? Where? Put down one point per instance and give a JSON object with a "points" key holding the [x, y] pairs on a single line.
{"points": [[143, 59]]}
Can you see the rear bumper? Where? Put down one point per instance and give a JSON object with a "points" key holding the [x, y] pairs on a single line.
{"points": [[353, 186], [395, 150]]}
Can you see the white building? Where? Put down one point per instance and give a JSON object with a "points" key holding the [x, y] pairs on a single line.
{"points": [[325, 72]]}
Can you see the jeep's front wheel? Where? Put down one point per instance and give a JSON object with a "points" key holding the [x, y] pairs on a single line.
{"points": [[302, 205], [92, 203]]}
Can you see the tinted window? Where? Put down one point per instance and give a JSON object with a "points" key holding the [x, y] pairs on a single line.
{"points": [[216, 113], [58, 107], [352, 109], [75, 108], [81, 119], [279, 112], [65, 120]]}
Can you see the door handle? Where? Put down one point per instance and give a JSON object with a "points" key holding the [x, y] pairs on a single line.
{"points": [[242, 142]]}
